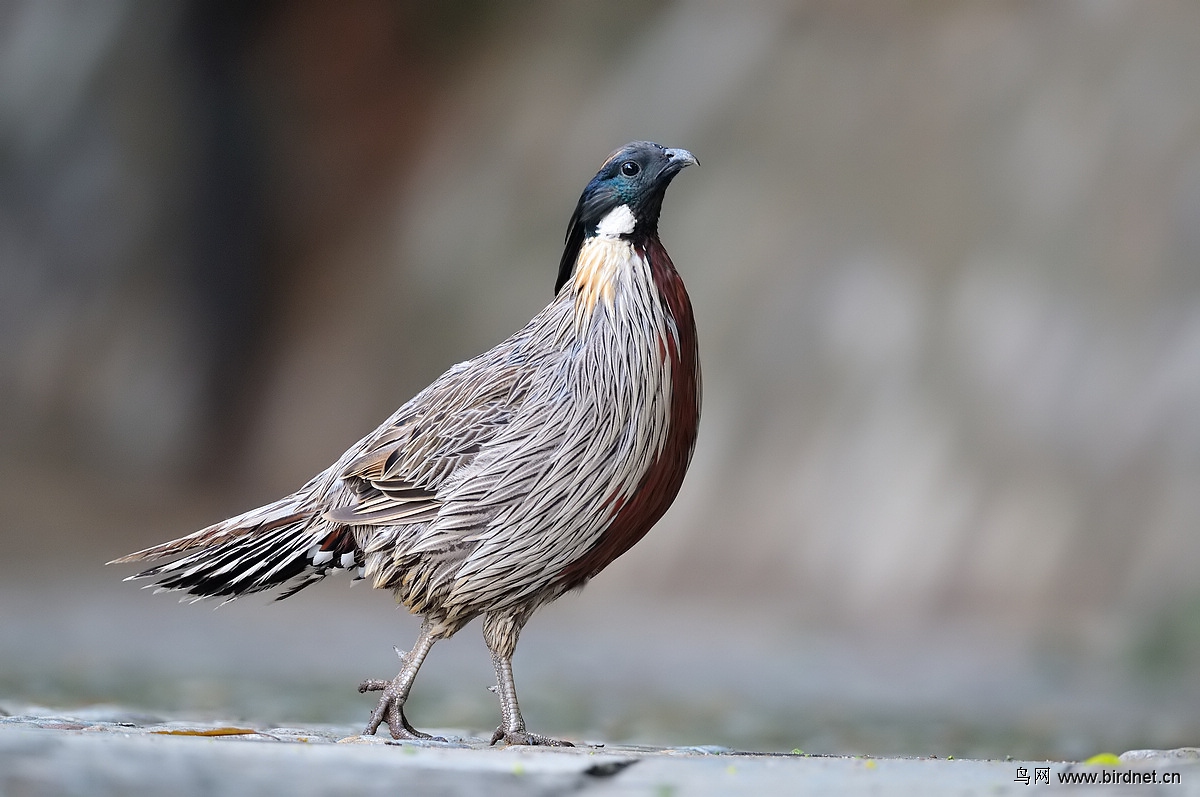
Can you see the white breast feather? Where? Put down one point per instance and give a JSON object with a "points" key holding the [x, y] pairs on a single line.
{"points": [[619, 221]]}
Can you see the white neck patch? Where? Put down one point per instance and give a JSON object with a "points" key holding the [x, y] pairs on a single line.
{"points": [[619, 221]]}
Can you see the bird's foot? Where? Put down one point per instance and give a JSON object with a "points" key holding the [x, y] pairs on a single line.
{"points": [[525, 737], [390, 710]]}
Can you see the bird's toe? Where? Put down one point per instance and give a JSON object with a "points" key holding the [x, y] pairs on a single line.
{"points": [[372, 685], [525, 737], [390, 711]]}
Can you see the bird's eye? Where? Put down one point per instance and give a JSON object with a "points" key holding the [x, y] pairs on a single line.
{"points": [[630, 168]]}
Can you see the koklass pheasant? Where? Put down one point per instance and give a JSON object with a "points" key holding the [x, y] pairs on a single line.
{"points": [[514, 477]]}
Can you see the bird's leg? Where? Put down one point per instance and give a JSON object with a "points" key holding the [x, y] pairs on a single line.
{"points": [[500, 632], [395, 692]]}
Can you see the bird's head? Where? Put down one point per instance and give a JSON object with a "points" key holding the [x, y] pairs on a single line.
{"points": [[623, 199]]}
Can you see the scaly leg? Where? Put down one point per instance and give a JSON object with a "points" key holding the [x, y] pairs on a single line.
{"points": [[395, 691], [500, 633]]}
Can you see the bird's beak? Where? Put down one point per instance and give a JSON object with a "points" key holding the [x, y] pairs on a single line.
{"points": [[680, 158]]}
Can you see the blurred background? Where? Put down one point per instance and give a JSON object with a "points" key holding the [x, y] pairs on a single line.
{"points": [[945, 260]]}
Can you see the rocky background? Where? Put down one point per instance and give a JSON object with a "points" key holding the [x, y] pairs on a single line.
{"points": [[946, 267]]}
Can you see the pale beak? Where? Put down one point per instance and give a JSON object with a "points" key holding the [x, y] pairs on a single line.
{"points": [[680, 158]]}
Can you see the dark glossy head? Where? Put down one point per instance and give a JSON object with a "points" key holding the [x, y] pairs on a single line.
{"points": [[623, 199]]}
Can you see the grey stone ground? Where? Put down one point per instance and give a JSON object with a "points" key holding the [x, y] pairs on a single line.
{"points": [[109, 751], [589, 669]]}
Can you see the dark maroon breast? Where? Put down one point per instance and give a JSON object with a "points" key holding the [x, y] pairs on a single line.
{"points": [[634, 517]]}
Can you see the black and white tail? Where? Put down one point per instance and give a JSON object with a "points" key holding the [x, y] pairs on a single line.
{"points": [[284, 544]]}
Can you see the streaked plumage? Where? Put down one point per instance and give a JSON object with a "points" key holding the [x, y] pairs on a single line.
{"points": [[516, 476]]}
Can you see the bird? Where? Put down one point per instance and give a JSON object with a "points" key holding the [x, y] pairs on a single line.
{"points": [[512, 479]]}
